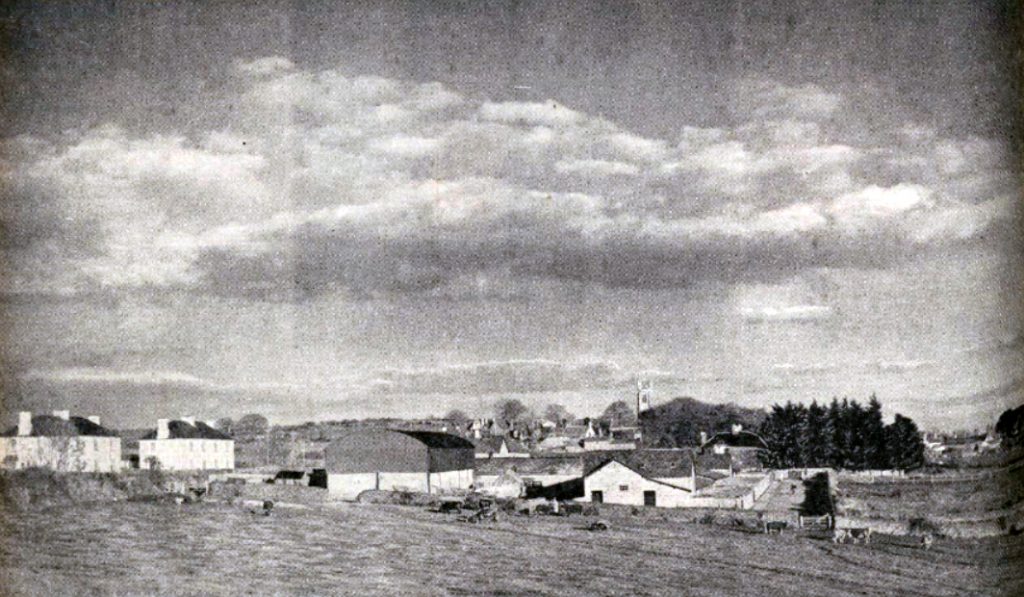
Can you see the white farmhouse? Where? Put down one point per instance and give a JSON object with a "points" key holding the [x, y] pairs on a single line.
{"points": [[664, 478], [60, 442], [186, 445]]}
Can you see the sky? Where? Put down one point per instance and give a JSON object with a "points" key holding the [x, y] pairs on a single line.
{"points": [[340, 210]]}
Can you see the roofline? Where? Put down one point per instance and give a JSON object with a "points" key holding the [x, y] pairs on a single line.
{"points": [[651, 479], [729, 433]]}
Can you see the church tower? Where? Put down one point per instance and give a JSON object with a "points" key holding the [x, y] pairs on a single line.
{"points": [[644, 391]]}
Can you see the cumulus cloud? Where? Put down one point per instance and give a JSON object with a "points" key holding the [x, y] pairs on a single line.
{"points": [[324, 182], [796, 313], [267, 65], [86, 376], [549, 113], [900, 365], [597, 168], [520, 376]]}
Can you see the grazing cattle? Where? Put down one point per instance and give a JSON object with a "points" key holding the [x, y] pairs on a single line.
{"points": [[775, 526], [926, 541], [851, 535], [572, 508], [861, 535], [450, 506]]}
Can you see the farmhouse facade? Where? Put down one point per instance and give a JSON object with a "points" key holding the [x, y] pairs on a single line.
{"points": [[60, 442], [186, 445], [391, 459]]}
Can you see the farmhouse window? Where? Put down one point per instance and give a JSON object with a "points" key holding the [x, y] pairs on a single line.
{"points": [[623, 487]]}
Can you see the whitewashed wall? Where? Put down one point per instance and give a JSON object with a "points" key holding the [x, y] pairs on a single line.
{"points": [[84, 454], [188, 454], [612, 477]]}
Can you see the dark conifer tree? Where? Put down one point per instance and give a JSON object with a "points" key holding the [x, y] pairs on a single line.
{"points": [[817, 442], [837, 430], [905, 446], [875, 444]]}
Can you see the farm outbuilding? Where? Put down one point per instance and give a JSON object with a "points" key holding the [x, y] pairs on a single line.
{"points": [[394, 460], [663, 478]]}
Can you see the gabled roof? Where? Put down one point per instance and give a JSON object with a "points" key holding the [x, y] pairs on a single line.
{"points": [[711, 461], [50, 426], [646, 476], [488, 445], [182, 430], [666, 464], [492, 445]]}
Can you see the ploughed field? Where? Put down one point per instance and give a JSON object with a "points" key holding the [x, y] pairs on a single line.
{"points": [[134, 548]]}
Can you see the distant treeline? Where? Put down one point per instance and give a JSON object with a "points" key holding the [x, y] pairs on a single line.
{"points": [[843, 434], [679, 422]]}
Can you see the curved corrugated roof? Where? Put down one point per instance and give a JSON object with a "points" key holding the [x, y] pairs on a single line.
{"points": [[437, 439], [741, 439]]}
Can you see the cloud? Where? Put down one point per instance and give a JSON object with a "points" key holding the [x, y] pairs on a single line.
{"points": [[169, 379], [323, 182], [766, 99], [597, 168], [549, 113], [803, 369], [518, 376], [792, 313], [900, 366], [264, 66]]}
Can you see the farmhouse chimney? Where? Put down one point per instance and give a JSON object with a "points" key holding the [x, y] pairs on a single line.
{"points": [[190, 420], [736, 428], [163, 431], [94, 419], [62, 414], [24, 423], [703, 437]]}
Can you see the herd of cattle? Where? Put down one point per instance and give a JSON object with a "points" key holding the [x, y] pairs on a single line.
{"points": [[475, 508]]}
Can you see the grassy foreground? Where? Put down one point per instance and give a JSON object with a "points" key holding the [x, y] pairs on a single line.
{"points": [[130, 549]]}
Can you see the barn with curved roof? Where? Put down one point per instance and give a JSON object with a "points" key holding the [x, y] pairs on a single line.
{"points": [[393, 460]]}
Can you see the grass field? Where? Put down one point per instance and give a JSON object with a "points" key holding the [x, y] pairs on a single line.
{"points": [[955, 501], [130, 549]]}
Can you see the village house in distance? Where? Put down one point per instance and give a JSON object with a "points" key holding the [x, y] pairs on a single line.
{"points": [[186, 444], [62, 443]]}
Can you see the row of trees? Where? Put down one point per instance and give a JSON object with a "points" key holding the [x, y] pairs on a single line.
{"points": [[618, 413], [843, 434]]}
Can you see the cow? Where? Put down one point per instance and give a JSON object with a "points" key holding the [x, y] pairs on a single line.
{"points": [[926, 541], [450, 505], [851, 535], [775, 526]]}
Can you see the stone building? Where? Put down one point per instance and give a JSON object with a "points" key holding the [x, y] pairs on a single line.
{"points": [[60, 442], [186, 445]]}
